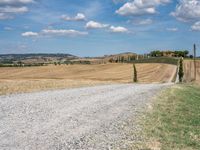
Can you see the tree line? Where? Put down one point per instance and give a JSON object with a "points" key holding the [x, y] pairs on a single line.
{"points": [[180, 53]]}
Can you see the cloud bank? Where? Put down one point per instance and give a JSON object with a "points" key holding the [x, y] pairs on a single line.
{"points": [[78, 17], [54, 33], [9, 8], [140, 7], [95, 25]]}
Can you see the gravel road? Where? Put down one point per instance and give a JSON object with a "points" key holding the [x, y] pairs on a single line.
{"points": [[101, 117]]}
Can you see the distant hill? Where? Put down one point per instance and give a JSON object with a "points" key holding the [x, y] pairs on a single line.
{"points": [[121, 54], [108, 58], [35, 58], [49, 58], [119, 57]]}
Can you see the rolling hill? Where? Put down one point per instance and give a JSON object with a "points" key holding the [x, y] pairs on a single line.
{"points": [[26, 79]]}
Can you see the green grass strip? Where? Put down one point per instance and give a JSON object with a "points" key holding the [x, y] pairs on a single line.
{"points": [[174, 121]]}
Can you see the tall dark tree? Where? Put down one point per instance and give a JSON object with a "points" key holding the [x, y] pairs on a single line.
{"points": [[134, 73], [181, 73]]}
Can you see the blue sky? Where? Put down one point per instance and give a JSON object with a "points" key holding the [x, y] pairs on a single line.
{"points": [[98, 27]]}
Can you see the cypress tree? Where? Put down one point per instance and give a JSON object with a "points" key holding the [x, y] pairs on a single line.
{"points": [[134, 73], [181, 73]]}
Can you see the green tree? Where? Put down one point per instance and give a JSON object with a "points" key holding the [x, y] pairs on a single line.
{"points": [[182, 53], [181, 73], [156, 53], [134, 73], [186, 52]]}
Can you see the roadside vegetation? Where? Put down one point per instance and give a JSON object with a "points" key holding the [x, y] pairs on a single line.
{"points": [[173, 121]]}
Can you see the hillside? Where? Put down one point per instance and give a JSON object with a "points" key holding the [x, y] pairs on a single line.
{"points": [[189, 71], [35, 58], [47, 77], [119, 57]]}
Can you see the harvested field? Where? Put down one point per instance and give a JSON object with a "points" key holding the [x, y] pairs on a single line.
{"points": [[189, 71], [32, 85], [27, 79]]}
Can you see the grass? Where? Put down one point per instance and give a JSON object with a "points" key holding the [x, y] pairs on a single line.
{"points": [[174, 121]]}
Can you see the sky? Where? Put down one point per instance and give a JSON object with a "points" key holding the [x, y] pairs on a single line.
{"points": [[98, 27]]}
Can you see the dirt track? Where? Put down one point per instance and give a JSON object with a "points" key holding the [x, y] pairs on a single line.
{"points": [[101, 117]]}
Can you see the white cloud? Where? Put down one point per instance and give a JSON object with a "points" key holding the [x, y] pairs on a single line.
{"points": [[172, 29], [118, 29], [187, 10], [54, 32], [78, 17], [196, 26], [30, 34], [9, 8], [15, 2], [145, 22], [141, 22], [140, 7], [62, 32], [95, 25]]}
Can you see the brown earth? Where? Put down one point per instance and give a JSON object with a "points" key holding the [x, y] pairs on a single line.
{"points": [[27, 79], [189, 71]]}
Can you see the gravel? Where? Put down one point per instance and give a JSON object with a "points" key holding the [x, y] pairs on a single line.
{"points": [[101, 117]]}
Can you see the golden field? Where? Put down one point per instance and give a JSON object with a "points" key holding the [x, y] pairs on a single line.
{"points": [[27, 79], [189, 70]]}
